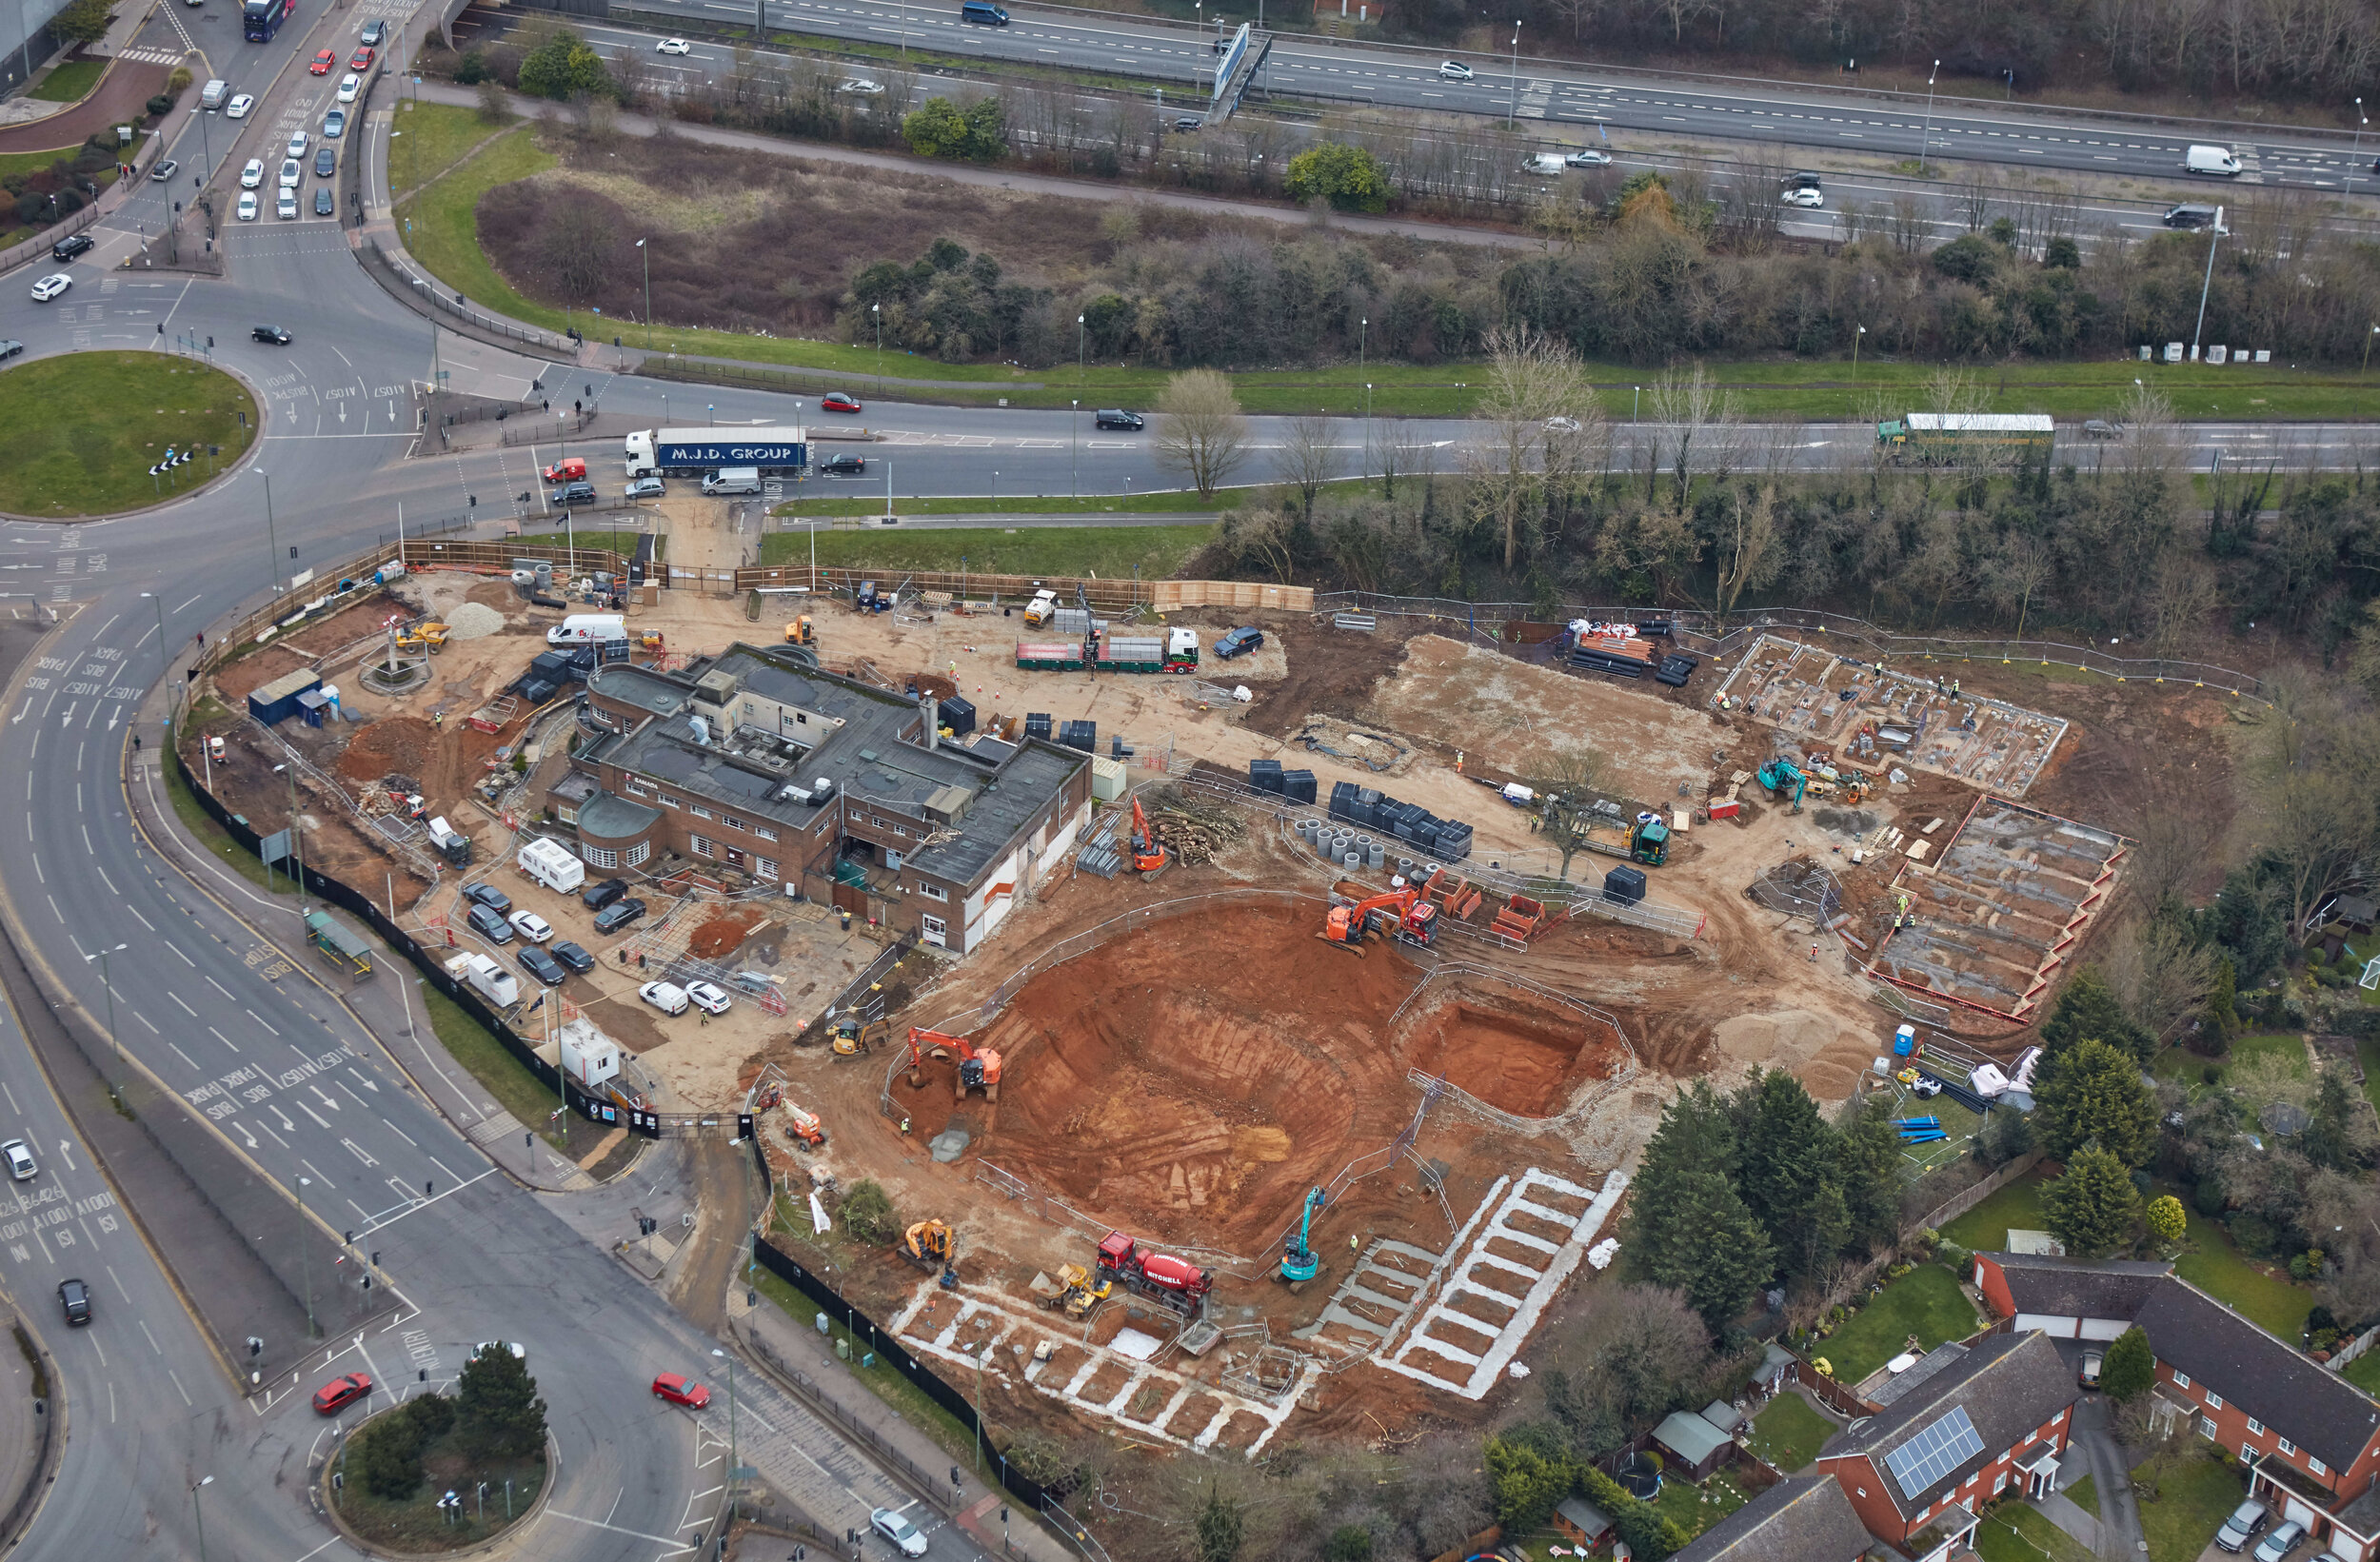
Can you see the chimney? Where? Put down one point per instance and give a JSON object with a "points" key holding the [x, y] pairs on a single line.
{"points": [[933, 723]]}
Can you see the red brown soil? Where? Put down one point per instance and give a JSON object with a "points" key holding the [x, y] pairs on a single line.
{"points": [[1529, 1066], [725, 933], [405, 744], [1330, 670]]}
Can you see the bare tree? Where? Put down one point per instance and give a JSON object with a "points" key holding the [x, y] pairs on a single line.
{"points": [[1697, 428], [1530, 381], [1308, 458], [1261, 537], [2159, 976], [577, 245], [1401, 449], [2181, 595], [1200, 431], [1746, 546], [1568, 780]]}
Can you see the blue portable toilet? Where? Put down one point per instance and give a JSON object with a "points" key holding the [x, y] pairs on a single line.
{"points": [[276, 702], [1905, 1041]]}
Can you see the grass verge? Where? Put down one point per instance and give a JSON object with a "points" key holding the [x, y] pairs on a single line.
{"points": [[1155, 552], [1925, 1302], [622, 542], [2189, 1506], [433, 137], [2225, 1274], [1187, 501], [213, 838], [905, 1398], [1985, 1227], [2016, 1532], [87, 426], [1789, 1433], [440, 222], [499, 1072], [69, 83], [416, 1524], [2084, 1494]]}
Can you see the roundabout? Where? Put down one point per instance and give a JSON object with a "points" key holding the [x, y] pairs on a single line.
{"points": [[86, 428]]}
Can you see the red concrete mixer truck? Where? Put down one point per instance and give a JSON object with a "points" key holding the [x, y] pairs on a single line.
{"points": [[1176, 1282]]}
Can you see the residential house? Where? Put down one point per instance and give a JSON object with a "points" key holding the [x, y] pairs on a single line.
{"points": [[2309, 1438], [1802, 1518], [1919, 1472]]}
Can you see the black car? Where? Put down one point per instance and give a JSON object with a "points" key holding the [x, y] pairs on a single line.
{"points": [[572, 955], [76, 1298], [1237, 642], [273, 334], [488, 895], [9, 349], [619, 915], [1115, 417], [1803, 179], [375, 33], [574, 493], [1187, 125], [843, 466], [2190, 216], [322, 204], [326, 162], [489, 923], [541, 965], [596, 897], [71, 246]]}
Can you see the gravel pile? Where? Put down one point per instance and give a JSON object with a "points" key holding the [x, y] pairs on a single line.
{"points": [[473, 620]]}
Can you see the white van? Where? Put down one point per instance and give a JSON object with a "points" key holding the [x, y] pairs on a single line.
{"points": [[552, 864], [490, 981], [1545, 164], [667, 997], [212, 94], [587, 629], [733, 479], [2215, 160]]}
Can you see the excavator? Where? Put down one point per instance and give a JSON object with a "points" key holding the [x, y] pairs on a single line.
{"points": [[928, 1244], [1409, 915], [1783, 779], [1073, 1291], [979, 1067], [1147, 856], [854, 1037], [1298, 1260], [802, 632]]}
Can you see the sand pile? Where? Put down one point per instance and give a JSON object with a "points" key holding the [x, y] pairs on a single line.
{"points": [[473, 620]]}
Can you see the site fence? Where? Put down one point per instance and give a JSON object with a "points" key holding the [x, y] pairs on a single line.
{"points": [[19, 254], [854, 994], [397, 267]]}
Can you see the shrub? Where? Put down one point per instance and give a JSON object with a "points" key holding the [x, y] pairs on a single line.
{"points": [[472, 70], [179, 81], [1349, 178], [1966, 259], [160, 106], [868, 1214], [387, 1455]]}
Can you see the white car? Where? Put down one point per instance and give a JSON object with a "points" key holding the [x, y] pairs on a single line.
{"points": [[907, 1537], [349, 86], [297, 144], [1454, 70], [673, 46], [862, 87], [1805, 198], [519, 1352], [532, 927], [20, 1160], [1561, 425], [248, 205], [667, 997], [286, 208], [51, 286], [238, 108], [253, 174], [290, 173], [708, 999]]}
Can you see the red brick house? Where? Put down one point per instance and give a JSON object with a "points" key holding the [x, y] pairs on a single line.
{"points": [[1917, 1473], [2310, 1438]]}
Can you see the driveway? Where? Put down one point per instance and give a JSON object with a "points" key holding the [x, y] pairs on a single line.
{"points": [[2095, 1452]]}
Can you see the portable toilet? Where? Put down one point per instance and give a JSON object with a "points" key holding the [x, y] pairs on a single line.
{"points": [[1905, 1041]]}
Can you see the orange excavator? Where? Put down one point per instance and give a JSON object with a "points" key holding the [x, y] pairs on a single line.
{"points": [[1406, 913], [979, 1067], [1147, 856]]}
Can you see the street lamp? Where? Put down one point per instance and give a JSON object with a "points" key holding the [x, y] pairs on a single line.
{"points": [[115, 1046], [647, 257], [732, 1462], [1925, 145], [2214, 234], [1856, 339], [2362, 124], [2367, 369], [163, 669], [1363, 342], [1515, 109], [878, 311], [1077, 351], [272, 545], [200, 1513], [297, 841], [305, 1256]]}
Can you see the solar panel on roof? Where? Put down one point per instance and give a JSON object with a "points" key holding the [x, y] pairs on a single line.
{"points": [[1933, 1453]]}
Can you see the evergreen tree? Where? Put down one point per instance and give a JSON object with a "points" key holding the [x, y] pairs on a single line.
{"points": [[1784, 1167], [1525, 1480], [2091, 1092], [2222, 1005], [1867, 1168], [1687, 1227], [1219, 1527], [496, 1402], [2094, 1207], [2327, 1140], [2130, 1369], [2087, 1008], [2167, 1222]]}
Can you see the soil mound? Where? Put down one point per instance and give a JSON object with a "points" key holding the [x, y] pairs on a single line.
{"points": [[401, 744], [723, 935]]}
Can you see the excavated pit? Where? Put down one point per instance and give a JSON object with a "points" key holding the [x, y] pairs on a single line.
{"points": [[1529, 1064]]}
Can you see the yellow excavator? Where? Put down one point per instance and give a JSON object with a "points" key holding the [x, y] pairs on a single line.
{"points": [[856, 1039], [802, 632], [928, 1244]]}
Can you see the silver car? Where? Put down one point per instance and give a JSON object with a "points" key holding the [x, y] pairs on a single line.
{"points": [[20, 1160], [2242, 1525]]}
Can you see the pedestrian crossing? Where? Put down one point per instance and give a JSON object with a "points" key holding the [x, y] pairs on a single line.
{"points": [[151, 56]]}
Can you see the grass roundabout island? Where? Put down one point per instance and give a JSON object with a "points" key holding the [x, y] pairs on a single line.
{"points": [[86, 427], [446, 1471]]}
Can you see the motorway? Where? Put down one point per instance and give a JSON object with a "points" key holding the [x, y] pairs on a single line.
{"points": [[203, 1004], [1569, 102]]}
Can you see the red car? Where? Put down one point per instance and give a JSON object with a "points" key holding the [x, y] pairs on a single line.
{"points": [[680, 1390], [324, 62], [838, 402], [340, 1392], [361, 60]]}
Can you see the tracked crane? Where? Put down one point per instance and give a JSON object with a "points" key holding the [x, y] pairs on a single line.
{"points": [[979, 1067]]}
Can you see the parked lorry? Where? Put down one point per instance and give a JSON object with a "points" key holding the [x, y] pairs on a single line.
{"points": [[1131, 654], [1063, 656], [1946, 437], [452, 844], [485, 978], [661, 452]]}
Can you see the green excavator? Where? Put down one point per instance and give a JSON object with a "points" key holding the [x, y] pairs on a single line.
{"points": [[1783, 779]]}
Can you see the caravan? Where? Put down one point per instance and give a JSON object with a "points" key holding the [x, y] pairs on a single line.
{"points": [[552, 864]]}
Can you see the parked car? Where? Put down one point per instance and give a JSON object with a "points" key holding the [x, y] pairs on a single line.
{"points": [[491, 924], [324, 61], [340, 1392], [1454, 70], [1116, 417], [596, 897], [646, 487], [907, 1537], [238, 107], [842, 466], [2089, 1374], [2285, 1538], [2241, 1527], [666, 996], [707, 997], [572, 955], [74, 244], [1238, 642], [273, 334], [835, 401], [673, 46], [51, 286], [490, 896], [619, 915], [532, 927], [20, 1160], [681, 1389], [76, 1298], [541, 965], [324, 203]]}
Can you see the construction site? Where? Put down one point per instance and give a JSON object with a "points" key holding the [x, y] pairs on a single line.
{"points": [[1360, 1116]]}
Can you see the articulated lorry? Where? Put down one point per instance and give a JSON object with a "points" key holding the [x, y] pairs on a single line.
{"points": [[1946, 437], [675, 451]]}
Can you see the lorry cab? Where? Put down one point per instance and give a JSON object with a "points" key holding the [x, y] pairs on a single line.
{"points": [[1892, 431]]}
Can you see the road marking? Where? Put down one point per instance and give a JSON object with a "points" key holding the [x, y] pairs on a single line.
{"points": [[185, 1008], [147, 1335], [186, 959], [178, 1388], [224, 1040], [184, 1056], [259, 1018]]}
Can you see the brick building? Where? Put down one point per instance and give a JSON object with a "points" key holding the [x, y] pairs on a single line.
{"points": [[758, 764], [1802, 1518], [1918, 1471], [2311, 1440]]}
